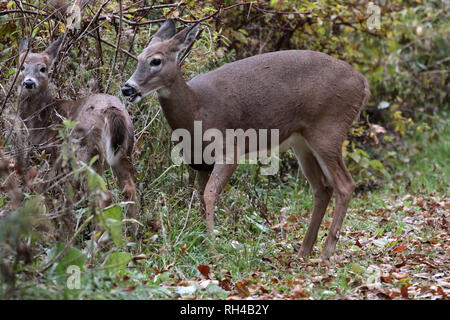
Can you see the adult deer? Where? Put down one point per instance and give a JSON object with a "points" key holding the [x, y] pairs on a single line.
{"points": [[310, 97], [104, 126]]}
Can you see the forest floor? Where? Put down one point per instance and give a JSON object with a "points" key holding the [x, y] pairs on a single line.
{"points": [[395, 243]]}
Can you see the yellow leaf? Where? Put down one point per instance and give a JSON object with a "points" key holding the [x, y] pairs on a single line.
{"points": [[10, 5], [62, 27], [308, 29]]}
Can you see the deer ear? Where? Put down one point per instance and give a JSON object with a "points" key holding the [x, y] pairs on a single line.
{"points": [[166, 31], [53, 49], [23, 46], [185, 38]]}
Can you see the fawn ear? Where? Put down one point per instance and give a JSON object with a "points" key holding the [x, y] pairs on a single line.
{"points": [[185, 38], [165, 32], [23, 47], [52, 50]]}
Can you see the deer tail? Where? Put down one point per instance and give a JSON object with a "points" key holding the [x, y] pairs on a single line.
{"points": [[366, 97], [114, 133]]}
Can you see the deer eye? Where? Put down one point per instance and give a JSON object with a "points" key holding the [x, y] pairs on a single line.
{"points": [[43, 69], [22, 68], [155, 62]]}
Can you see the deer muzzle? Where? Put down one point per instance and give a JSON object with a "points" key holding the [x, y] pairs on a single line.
{"points": [[29, 84], [129, 91]]}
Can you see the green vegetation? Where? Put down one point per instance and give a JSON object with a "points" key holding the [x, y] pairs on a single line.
{"points": [[394, 243]]}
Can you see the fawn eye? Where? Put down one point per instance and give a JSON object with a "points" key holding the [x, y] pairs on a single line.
{"points": [[155, 62], [43, 69], [22, 68]]}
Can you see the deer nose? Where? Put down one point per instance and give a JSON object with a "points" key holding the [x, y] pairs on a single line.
{"points": [[29, 84], [127, 90]]}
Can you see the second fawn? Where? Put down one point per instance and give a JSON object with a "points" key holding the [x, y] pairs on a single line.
{"points": [[104, 127]]}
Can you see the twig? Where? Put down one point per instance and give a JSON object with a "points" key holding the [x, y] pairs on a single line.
{"points": [[5, 12], [14, 81], [185, 221], [139, 135], [156, 6], [114, 46], [221, 9], [119, 36]]}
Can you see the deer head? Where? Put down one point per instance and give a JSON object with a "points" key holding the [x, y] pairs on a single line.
{"points": [[34, 67], [158, 62]]}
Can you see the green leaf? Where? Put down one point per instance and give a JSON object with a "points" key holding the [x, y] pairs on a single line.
{"points": [[355, 156], [356, 268], [117, 261], [95, 181], [112, 221]]}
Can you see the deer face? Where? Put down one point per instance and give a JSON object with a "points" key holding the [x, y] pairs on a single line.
{"points": [[34, 67], [33, 73], [157, 64]]}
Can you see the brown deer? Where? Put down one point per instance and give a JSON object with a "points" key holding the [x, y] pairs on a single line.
{"points": [[103, 128], [310, 97]]}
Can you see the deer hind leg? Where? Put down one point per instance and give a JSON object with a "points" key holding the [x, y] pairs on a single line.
{"points": [[216, 183], [124, 170], [327, 150], [202, 177], [322, 191]]}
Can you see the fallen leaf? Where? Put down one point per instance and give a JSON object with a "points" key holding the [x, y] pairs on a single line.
{"points": [[386, 279], [377, 128], [279, 226], [204, 270], [404, 292], [399, 275], [298, 292], [225, 284], [398, 249], [183, 249], [442, 293], [242, 289], [129, 288]]}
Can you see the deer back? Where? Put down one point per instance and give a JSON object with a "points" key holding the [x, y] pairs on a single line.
{"points": [[286, 90]]}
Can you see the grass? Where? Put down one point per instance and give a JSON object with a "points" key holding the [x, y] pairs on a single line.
{"points": [[394, 242]]}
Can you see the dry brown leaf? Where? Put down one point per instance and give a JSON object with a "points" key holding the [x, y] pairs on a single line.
{"points": [[398, 249], [204, 270], [404, 292], [299, 292], [129, 288]]}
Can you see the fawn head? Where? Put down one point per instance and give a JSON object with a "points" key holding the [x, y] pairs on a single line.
{"points": [[34, 67], [158, 63]]}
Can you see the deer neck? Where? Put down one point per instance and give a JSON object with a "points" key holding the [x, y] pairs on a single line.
{"points": [[34, 109], [179, 103]]}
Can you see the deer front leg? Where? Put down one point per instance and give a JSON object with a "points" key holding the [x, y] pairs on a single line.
{"points": [[217, 181]]}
